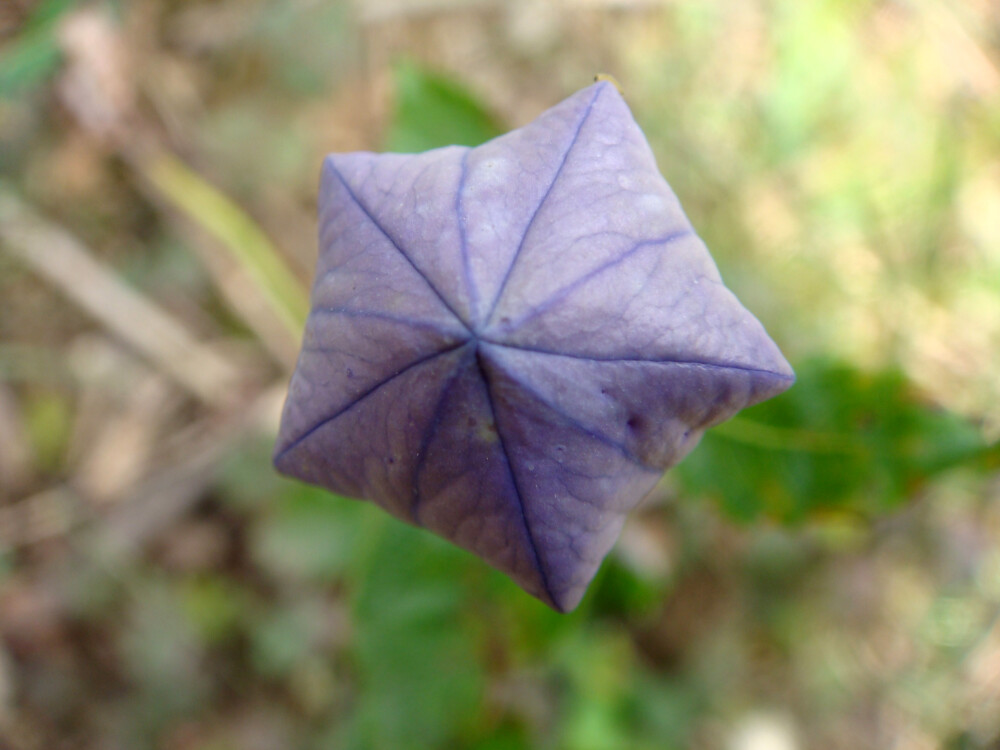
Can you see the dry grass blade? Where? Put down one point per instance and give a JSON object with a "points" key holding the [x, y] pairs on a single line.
{"points": [[225, 221], [67, 263], [98, 87], [242, 261]]}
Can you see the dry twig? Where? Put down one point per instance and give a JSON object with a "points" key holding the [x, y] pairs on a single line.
{"points": [[66, 262]]}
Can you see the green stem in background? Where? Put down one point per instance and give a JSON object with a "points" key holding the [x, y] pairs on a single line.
{"points": [[238, 233], [770, 437]]}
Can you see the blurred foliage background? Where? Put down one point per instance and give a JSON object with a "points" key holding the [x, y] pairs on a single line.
{"points": [[822, 572]]}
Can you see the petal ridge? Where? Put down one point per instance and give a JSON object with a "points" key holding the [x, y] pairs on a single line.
{"points": [[517, 487], [284, 450], [541, 203], [371, 217]]}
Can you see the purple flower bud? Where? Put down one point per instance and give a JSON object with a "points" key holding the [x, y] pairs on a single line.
{"points": [[509, 344]]}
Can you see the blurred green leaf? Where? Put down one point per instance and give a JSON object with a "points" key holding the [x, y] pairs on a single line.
{"points": [[280, 640], [610, 701], [838, 440], [663, 712], [310, 534], [421, 681], [812, 78], [163, 658], [214, 606], [34, 55], [619, 590], [28, 63], [505, 738], [248, 480], [433, 111], [49, 419]]}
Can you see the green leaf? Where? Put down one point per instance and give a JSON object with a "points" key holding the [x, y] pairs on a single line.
{"points": [[420, 679], [49, 421], [433, 111], [31, 58], [284, 638], [839, 440], [214, 606], [310, 534]]}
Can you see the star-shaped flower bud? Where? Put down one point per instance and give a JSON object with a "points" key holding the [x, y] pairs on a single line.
{"points": [[509, 344]]}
